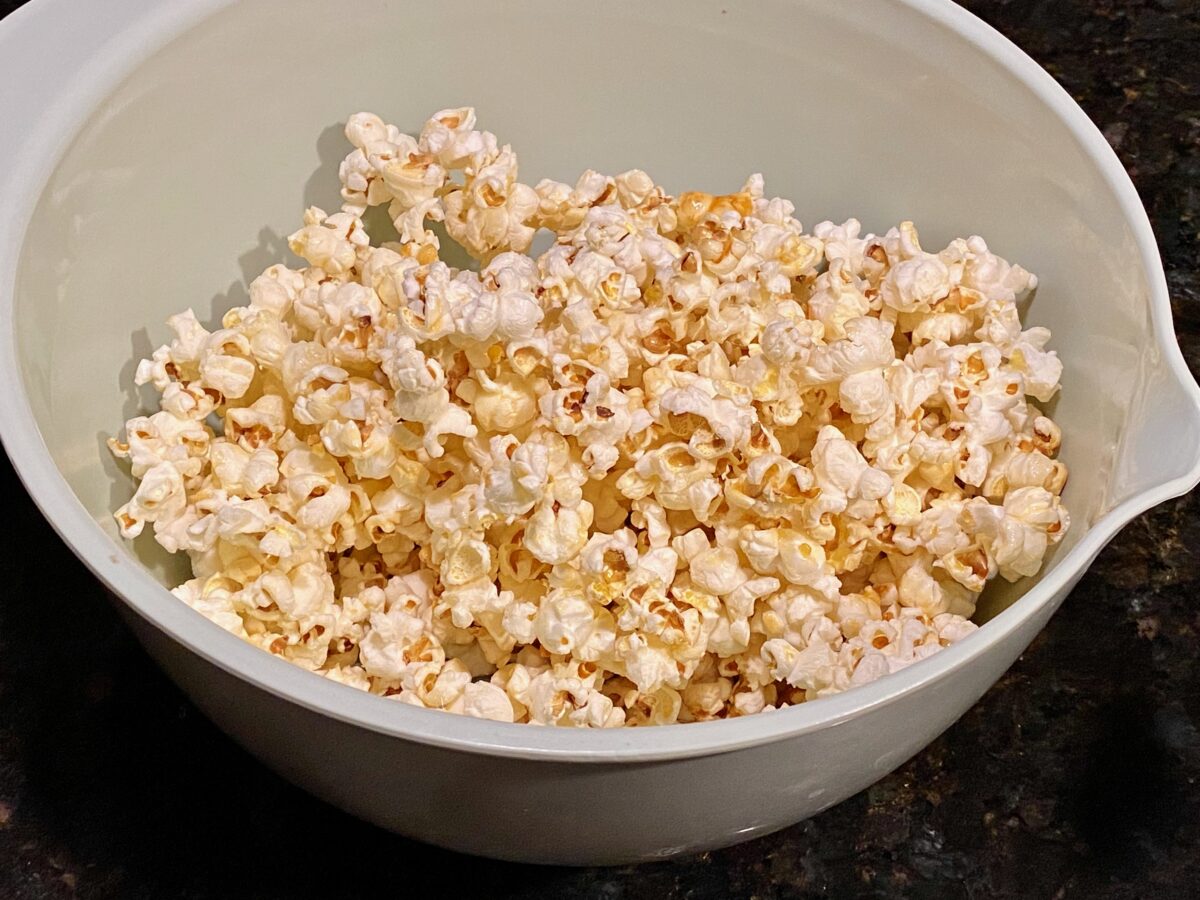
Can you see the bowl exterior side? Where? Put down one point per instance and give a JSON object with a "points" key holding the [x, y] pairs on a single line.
{"points": [[553, 812]]}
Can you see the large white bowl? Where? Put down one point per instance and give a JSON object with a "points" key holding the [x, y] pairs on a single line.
{"points": [[153, 153]]}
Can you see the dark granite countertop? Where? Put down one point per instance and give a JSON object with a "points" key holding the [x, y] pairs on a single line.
{"points": [[1075, 776]]}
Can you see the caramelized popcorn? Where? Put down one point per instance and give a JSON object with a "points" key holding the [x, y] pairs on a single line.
{"points": [[692, 462]]}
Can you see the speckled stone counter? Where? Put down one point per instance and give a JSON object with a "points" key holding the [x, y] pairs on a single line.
{"points": [[1075, 776]]}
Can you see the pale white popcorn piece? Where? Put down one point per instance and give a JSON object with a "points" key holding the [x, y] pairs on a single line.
{"points": [[557, 535], [330, 243], [214, 599], [160, 496], [490, 213], [484, 701], [1041, 368], [692, 462]]}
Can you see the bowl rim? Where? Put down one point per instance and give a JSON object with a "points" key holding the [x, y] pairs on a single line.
{"points": [[140, 27]]}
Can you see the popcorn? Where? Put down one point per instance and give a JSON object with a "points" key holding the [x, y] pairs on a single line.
{"points": [[557, 535], [692, 462], [329, 243], [489, 213], [160, 496], [484, 701]]}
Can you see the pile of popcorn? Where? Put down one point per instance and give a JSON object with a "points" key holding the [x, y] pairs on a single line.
{"points": [[691, 462]]}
